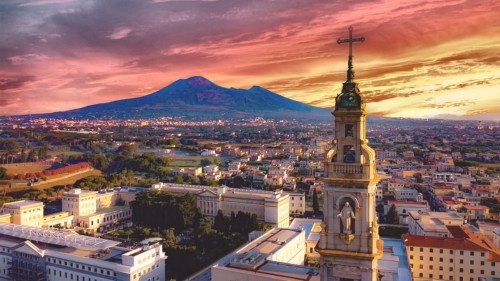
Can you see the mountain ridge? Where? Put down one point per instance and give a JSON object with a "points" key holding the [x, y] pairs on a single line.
{"points": [[199, 98]]}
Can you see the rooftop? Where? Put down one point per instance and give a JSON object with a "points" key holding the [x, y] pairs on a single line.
{"points": [[478, 207], [463, 239], [56, 237], [22, 203], [271, 241], [395, 202], [312, 227], [108, 210]]}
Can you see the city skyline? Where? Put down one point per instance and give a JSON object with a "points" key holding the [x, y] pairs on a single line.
{"points": [[431, 59]]}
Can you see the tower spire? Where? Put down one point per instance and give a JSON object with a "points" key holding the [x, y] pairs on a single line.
{"points": [[350, 40]]}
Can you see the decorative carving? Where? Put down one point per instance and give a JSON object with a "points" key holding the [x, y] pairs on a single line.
{"points": [[346, 269], [347, 238]]}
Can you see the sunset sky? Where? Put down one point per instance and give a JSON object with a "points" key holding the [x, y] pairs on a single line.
{"points": [[424, 59]]}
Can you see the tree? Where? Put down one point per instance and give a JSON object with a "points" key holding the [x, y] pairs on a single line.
{"points": [[205, 226], [232, 222], [170, 238], [238, 182], [315, 201], [221, 224], [3, 173], [205, 162], [392, 216], [179, 179]]}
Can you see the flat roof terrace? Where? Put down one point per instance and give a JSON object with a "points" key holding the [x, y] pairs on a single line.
{"points": [[56, 237]]}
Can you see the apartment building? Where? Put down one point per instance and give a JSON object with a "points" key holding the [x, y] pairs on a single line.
{"points": [[465, 256]]}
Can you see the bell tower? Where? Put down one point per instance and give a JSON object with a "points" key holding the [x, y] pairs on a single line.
{"points": [[349, 245]]}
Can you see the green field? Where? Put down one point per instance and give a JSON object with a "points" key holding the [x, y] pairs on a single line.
{"points": [[188, 161]]}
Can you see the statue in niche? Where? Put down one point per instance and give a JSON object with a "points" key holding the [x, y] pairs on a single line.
{"points": [[346, 216]]}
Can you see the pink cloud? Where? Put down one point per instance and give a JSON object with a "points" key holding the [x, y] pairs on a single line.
{"points": [[413, 48]]}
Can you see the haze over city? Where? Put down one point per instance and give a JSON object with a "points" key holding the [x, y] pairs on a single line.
{"points": [[436, 59]]}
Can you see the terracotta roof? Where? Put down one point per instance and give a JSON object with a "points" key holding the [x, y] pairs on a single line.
{"points": [[457, 231], [463, 239], [441, 242]]}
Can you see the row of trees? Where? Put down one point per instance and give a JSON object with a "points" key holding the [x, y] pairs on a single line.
{"points": [[155, 209], [242, 223]]}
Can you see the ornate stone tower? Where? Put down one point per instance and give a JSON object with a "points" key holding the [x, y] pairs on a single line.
{"points": [[350, 246]]}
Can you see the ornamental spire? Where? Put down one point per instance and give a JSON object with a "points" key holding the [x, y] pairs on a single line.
{"points": [[350, 40]]}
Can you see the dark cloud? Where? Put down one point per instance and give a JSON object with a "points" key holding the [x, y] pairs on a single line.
{"points": [[9, 83]]}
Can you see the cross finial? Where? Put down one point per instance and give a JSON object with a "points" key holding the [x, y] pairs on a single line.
{"points": [[350, 71]]}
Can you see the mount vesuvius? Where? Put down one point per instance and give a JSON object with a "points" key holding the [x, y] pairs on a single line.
{"points": [[199, 98]]}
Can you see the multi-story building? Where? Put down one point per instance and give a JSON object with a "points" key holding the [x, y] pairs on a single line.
{"points": [[79, 202], [463, 256], [105, 218], [25, 212], [408, 194], [432, 223], [98, 211], [37, 254], [297, 202], [276, 255], [403, 208], [234, 167], [476, 212], [269, 206]]}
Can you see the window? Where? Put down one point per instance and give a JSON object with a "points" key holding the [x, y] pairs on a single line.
{"points": [[440, 251], [440, 259], [431, 250], [421, 250], [472, 271], [431, 267], [461, 270], [349, 130], [461, 253]]}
